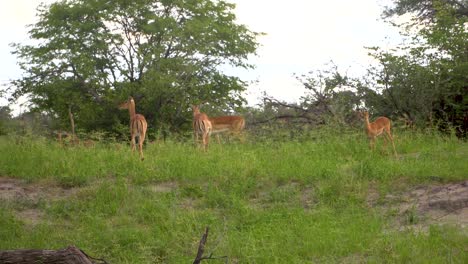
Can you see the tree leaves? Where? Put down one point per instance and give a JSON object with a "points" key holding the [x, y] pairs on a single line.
{"points": [[164, 52]]}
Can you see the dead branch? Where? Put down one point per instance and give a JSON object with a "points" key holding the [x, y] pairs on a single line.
{"points": [[277, 102], [313, 114], [201, 249], [309, 119], [70, 255]]}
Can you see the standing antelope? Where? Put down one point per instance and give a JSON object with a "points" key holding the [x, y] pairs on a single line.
{"points": [[138, 125], [232, 124], [201, 126], [373, 130]]}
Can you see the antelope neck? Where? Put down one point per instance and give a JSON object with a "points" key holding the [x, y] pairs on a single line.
{"points": [[131, 109], [367, 121]]}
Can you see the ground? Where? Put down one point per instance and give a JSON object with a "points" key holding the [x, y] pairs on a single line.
{"points": [[417, 208], [426, 205]]}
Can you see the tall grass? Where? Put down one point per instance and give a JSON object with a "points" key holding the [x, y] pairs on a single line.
{"points": [[265, 201]]}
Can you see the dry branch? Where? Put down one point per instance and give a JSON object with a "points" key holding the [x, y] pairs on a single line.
{"points": [[70, 255], [201, 249]]}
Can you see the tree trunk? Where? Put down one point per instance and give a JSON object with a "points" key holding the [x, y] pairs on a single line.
{"points": [[70, 255], [72, 123]]}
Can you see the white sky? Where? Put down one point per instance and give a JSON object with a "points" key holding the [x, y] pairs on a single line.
{"points": [[302, 35]]}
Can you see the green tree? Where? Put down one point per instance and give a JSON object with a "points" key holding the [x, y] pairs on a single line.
{"points": [[91, 54], [425, 10], [5, 119], [404, 85], [426, 80]]}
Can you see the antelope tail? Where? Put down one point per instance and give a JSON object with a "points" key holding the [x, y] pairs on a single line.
{"points": [[203, 126], [139, 129], [242, 124]]}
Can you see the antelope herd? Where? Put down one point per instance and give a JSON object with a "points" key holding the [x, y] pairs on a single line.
{"points": [[204, 126]]}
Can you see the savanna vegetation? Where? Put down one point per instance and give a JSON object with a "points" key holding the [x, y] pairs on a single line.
{"points": [[265, 201], [302, 187]]}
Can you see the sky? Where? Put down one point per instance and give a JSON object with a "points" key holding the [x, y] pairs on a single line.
{"points": [[301, 36]]}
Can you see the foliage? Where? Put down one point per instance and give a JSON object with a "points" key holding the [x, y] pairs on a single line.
{"points": [[425, 10], [427, 79], [332, 98], [424, 84], [5, 119], [90, 55]]}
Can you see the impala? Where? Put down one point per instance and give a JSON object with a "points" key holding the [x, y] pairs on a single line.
{"points": [[373, 130], [201, 126], [138, 125], [231, 124]]}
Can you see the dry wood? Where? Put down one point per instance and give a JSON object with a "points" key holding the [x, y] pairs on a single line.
{"points": [[72, 124], [201, 248], [70, 255]]}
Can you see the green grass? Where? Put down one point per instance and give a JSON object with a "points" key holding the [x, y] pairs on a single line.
{"points": [[264, 201]]}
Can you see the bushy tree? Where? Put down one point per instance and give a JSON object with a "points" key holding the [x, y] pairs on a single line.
{"points": [[87, 55], [426, 10], [427, 80], [5, 120]]}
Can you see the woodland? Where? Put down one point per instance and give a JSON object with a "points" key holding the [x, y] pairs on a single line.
{"points": [[86, 57], [299, 186]]}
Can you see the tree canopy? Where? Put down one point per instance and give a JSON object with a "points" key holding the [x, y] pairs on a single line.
{"points": [[86, 56], [426, 9], [89, 54], [423, 83]]}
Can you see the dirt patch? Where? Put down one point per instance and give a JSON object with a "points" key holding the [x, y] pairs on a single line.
{"points": [[266, 196], [429, 204], [15, 189], [448, 198], [188, 203], [31, 216], [308, 200], [25, 197], [9, 189], [164, 187]]}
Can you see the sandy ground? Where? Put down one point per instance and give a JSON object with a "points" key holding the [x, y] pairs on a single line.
{"points": [[427, 205]]}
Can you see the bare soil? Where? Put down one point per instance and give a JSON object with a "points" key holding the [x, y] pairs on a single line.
{"points": [[25, 197], [426, 205], [164, 187], [14, 189]]}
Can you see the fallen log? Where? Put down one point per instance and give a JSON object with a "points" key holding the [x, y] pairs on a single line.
{"points": [[69, 255]]}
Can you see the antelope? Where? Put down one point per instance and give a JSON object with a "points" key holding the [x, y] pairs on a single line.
{"points": [[138, 125], [231, 124], [201, 126], [373, 130]]}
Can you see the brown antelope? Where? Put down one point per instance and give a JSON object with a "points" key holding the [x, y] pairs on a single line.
{"points": [[201, 126], [373, 130], [138, 125], [230, 124]]}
